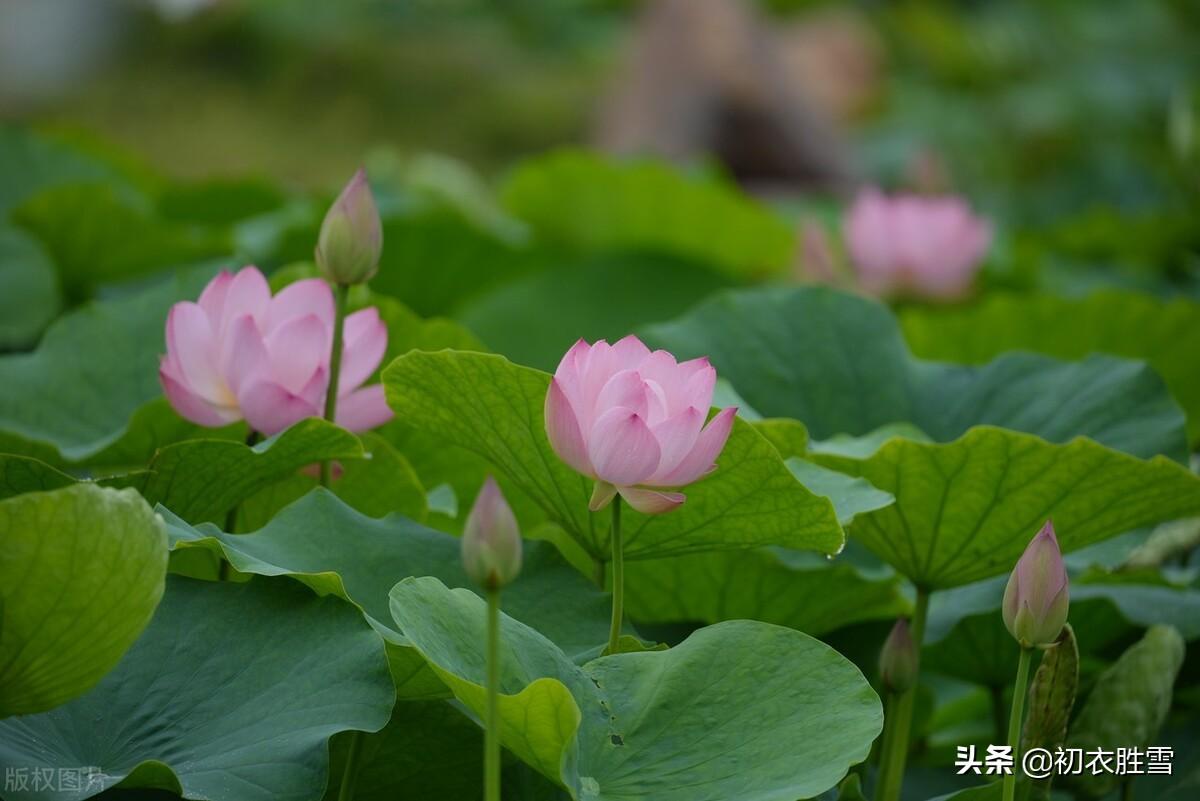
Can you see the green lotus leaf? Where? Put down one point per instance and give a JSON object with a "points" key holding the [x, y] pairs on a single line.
{"points": [[77, 393], [493, 407], [29, 298], [839, 364], [1166, 334], [587, 202], [81, 572], [594, 297], [32, 162], [741, 710], [201, 480], [21, 474], [965, 510], [231, 694], [330, 546]]}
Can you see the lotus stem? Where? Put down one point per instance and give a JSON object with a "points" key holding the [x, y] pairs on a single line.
{"points": [[1014, 722], [491, 734], [894, 753], [341, 295], [350, 773], [618, 578]]}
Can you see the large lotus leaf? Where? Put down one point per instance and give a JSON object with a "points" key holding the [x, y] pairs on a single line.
{"points": [[201, 480], [588, 202], [378, 484], [329, 545], [21, 474], [232, 693], [965, 510], [31, 162], [81, 572], [597, 297], [791, 588], [741, 710], [96, 234], [95, 367], [810, 595], [1164, 333], [489, 405], [28, 289], [839, 364]]}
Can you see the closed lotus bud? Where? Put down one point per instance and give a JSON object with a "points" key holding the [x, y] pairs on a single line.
{"points": [[351, 237], [1036, 599], [491, 541], [898, 659]]}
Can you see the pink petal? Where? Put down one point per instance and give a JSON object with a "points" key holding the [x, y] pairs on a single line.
{"points": [[365, 340], [212, 299], [310, 296], [192, 407], [629, 352], [596, 368], [316, 389], [570, 371], [248, 293], [702, 457], [270, 408], [622, 448], [563, 430], [363, 409], [193, 348], [676, 436], [699, 389], [625, 390], [652, 502], [298, 348], [243, 354]]}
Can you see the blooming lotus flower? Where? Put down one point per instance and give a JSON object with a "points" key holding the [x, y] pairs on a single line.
{"points": [[240, 353], [491, 540], [1036, 598], [633, 420], [926, 246], [898, 659]]}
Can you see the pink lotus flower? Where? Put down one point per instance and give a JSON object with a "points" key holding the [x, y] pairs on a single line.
{"points": [[925, 246], [1037, 596], [240, 353], [634, 421]]}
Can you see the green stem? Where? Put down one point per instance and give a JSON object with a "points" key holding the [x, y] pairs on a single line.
{"points": [[231, 517], [618, 579], [350, 772], [341, 295], [491, 747], [895, 751], [1014, 722]]}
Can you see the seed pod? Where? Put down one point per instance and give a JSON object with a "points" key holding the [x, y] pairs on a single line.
{"points": [[1128, 705]]}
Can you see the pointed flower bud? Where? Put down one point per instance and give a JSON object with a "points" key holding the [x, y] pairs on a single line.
{"points": [[1036, 599], [351, 237], [898, 659], [491, 541]]}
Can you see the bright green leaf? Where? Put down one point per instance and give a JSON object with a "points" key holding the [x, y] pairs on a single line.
{"points": [[81, 572], [741, 709]]}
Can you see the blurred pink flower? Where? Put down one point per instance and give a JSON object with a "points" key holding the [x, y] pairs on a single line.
{"points": [[911, 244], [634, 420], [240, 353], [1037, 596]]}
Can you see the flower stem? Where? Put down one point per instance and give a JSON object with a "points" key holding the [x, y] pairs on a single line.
{"points": [[895, 748], [1014, 722], [491, 745], [350, 773], [231, 517], [618, 578], [341, 295]]}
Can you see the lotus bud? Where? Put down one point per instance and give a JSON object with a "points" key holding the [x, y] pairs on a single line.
{"points": [[1036, 598], [491, 541], [351, 237], [898, 659]]}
